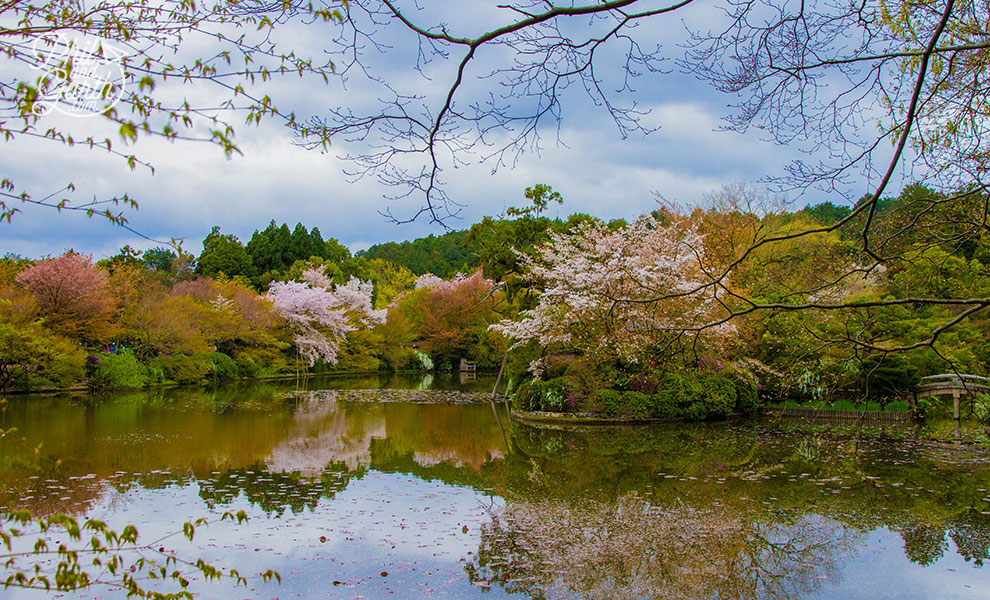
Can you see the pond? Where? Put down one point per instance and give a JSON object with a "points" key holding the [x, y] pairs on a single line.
{"points": [[397, 487]]}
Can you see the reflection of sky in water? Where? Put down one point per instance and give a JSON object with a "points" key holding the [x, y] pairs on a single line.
{"points": [[411, 529], [879, 570]]}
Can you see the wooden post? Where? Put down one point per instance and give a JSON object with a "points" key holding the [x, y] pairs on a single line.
{"points": [[494, 393], [498, 379], [955, 405]]}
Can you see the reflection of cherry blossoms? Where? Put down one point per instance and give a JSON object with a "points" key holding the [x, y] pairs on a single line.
{"points": [[322, 314], [630, 549], [620, 291]]}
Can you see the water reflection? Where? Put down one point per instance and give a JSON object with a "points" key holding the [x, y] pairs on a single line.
{"points": [[689, 511], [631, 549]]}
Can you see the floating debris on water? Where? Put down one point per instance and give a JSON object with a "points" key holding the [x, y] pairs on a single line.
{"points": [[410, 396]]}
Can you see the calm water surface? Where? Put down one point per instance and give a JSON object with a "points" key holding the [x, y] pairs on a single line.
{"points": [[355, 493]]}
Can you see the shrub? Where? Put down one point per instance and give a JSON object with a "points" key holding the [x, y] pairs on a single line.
{"points": [[183, 369], [694, 397], [246, 365], [694, 412], [886, 376], [425, 361], [550, 395], [67, 370], [638, 404], [981, 408], [718, 396], [582, 381], [556, 365], [119, 370], [522, 398], [747, 388], [925, 407], [609, 402], [628, 404], [406, 359], [223, 367], [898, 406], [679, 390], [646, 384], [661, 407]]}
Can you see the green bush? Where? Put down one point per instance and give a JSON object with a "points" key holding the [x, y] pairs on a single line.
{"points": [[898, 406], [638, 404], [718, 395], [246, 365], [694, 397], [643, 383], [608, 402], [556, 365], [183, 369], [747, 388], [679, 390], [223, 367], [407, 359], [550, 396], [582, 380], [65, 370], [694, 412], [115, 371], [925, 407], [156, 375], [662, 407], [522, 398], [981, 408], [887, 376], [625, 404]]}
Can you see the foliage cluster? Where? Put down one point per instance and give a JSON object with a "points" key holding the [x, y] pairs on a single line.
{"points": [[689, 396]]}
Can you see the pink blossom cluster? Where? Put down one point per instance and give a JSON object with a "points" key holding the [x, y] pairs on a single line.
{"points": [[322, 314], [615, 292], [437, 284]]}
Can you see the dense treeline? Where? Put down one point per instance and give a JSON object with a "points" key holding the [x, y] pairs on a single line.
{"points": [[442, 255], [691, 314], [609, 317]]}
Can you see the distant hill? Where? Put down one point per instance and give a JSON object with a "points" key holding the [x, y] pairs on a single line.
{"points": [[443, 255]]}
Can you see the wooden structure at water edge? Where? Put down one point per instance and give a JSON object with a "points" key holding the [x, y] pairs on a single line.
{"points": [[951, 383]]}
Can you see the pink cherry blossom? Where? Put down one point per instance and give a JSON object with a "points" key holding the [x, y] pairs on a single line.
{"points": [[615, 292], [321, 314]]}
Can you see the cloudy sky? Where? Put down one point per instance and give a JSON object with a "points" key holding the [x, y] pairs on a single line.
{"points": [[194, 186]]}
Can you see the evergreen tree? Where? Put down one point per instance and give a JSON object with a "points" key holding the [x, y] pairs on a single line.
{"points": [[223, 254]]}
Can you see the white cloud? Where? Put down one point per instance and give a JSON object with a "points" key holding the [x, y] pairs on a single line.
{"points": [[196, 187]]}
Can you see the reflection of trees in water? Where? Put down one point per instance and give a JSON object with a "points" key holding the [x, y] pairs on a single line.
{"points": [[969, 531], [862, 479], [275, 492], [924, 544], [631, 549]]}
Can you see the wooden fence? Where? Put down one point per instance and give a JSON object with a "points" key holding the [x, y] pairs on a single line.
{"points": [[823, 415]]}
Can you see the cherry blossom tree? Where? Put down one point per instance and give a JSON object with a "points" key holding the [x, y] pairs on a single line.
{"points": [[72, 295], [641, 289], [322, 315]]}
